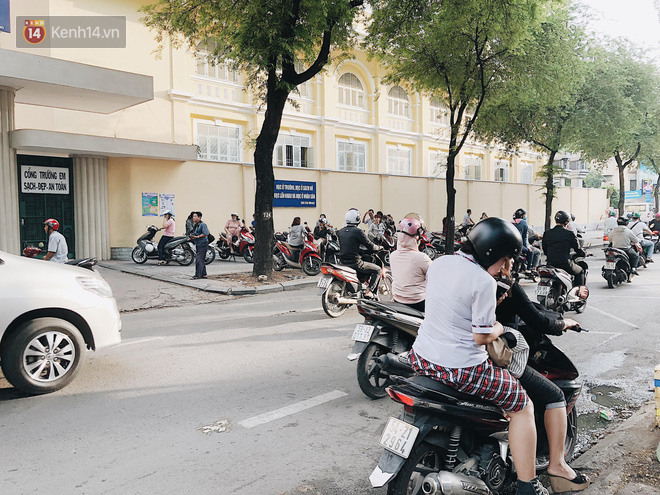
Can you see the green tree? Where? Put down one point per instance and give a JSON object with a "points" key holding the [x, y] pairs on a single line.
{"points": [[538, 106], [594, 179], [620, 109], [456, 50], [265, 39]]}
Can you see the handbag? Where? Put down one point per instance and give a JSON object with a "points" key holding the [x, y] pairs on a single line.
{"points": [[499, 352], [512, 358]]}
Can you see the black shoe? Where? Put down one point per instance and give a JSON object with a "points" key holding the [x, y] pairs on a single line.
{"points": [[195, 277], [650, 260], [533, 487], [634, 271]]}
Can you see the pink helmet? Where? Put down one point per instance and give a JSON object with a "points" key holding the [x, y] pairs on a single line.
{"points": [[410, 226]]}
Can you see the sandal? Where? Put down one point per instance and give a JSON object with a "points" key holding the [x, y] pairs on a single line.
{"points": [[560, 484]]}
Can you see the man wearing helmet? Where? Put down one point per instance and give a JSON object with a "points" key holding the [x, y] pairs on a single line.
{"points": [[350, 240], [624, 239], [655, 223], [557, 244], [58, 250], [610, 223], [520, 222], [639, 228], [460, 320]]}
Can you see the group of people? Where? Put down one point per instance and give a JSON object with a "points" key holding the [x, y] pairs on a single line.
{"points": [[630, 237]]}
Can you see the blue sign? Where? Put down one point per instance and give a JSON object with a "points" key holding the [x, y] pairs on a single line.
{"points": [[636, 194], [5, 19], [294, 194], [647, 196]]}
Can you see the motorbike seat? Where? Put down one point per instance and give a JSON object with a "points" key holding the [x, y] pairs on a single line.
{"points": [[400, 308], [343, 268], [619, 252], [426, 384], [555, 271]]}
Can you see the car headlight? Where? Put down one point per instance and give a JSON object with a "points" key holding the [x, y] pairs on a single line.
{"points": [[95, 285]]}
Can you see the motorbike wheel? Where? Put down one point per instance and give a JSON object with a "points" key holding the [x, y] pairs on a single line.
{"points": [[248, 254], [224, 254], [372, 382], [612, 280], [188, 256], [430, 252], [580, 307], [311, 266], [210, 255], [385, 293], [386, 259], [278, 262], [571, 435], [550, 301], [332, 309], [139, 255], [424, 459]]}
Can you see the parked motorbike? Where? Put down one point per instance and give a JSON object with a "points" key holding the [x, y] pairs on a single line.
{"points": [[447, 442], [389, 244], [243, 245], [617, 268], [382, 344], [426, 247], [439, 242], [209, 257], [306, 257], [330, 248], [341, 287], [177, 249], [556, 291]]}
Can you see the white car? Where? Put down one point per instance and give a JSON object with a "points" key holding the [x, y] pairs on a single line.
{"points": [[50, 313]]}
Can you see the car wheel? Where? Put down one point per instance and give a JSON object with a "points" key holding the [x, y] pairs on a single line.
{"points": [[43, 355]]}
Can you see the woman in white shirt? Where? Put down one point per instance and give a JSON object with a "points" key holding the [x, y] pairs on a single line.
{"points": [[460, 321]]}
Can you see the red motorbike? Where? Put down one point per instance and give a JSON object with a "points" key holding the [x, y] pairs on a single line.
{"points": [[306, 258], [389, 244], [243, 245], [426, 247]]}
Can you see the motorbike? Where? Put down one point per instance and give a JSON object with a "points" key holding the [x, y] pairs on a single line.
{"points": [[341, 287], [388, 242], [34, 251], [519, 269], [439, 242], [243, 245], [306, 257], [447, 442], [426, 247], [330, 248], [556, 291], [209, 257], [177, 249], [382, 344], [617, 268]]}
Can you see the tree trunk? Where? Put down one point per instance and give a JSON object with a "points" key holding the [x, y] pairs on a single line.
{"points": [[622, 184], [549, 189], [263, 169], [451, 202]]}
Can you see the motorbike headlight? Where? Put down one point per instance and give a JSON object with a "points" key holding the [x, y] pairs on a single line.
{"points": [[95, 285]]}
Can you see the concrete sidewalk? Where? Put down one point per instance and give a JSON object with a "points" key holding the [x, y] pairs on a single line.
{"points": [[182, 275]]}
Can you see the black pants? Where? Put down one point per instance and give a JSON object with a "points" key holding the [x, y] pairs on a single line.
{"points": [[370, 269], [633, 255], [575, 270], [161, 246], [543, 393], [419, 306], [200, 266]]}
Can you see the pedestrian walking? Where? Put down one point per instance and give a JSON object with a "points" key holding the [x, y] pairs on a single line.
{"points": [[200, 238]]}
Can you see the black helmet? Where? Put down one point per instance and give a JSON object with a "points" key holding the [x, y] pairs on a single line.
{"points": [[562, 217], [494, 238], [622, 221], [520, 213]]}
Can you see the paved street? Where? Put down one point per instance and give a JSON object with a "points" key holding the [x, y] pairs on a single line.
{"points": [[267, 375]]}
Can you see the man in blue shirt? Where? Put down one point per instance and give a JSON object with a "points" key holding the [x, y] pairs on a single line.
{"points": [[200, 238], [520, 222]]}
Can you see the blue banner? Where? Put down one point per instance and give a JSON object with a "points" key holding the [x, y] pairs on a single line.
{"points": [[294, 194], [5, 18], [636, 194]]}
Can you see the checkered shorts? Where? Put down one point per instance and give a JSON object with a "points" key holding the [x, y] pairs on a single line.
{"points": [[485, 380]]}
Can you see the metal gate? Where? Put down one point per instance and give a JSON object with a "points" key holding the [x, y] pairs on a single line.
{"points": [[37, 202]]}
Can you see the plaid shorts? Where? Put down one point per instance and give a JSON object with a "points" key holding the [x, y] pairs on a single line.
{"points": [[485, 380]]}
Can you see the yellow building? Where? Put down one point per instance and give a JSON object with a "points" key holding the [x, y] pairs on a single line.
{"points": [[126, 127]]}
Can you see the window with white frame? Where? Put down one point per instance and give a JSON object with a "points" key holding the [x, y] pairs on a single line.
{"points": [[218, 143], [438, 163], [351, 156], [502, 170], [302, 89], [350, 91], [294, 150], [439, 112], [398, 102], [473, 167], [527, 173], [207, 65], [399, 160]]}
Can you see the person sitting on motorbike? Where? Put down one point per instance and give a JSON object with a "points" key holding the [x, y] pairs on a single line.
{"points": [[610, 222], [408, 265], [233, 229], [377, 230], [543, 393], [296, 235], [459, 322], [623, 238], [520, 222], [639, 228], [350, 240], [654, 225], [321, 232], [557, 244], [168, 235]]}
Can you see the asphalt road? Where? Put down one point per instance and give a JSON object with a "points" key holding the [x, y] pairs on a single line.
{"points": [[269, 378]]}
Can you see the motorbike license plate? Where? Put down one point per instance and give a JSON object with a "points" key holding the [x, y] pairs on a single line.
{"points": [[324, 282], [610, 265], [399, 437], [362, 333], [543, 290]]}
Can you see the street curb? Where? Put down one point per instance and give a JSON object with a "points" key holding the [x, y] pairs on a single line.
{"points": [[229, 291]]}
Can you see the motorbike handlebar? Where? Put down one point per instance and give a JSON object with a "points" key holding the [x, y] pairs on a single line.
{"points": [[578, 329]]}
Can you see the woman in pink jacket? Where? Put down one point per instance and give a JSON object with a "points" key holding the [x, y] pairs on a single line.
{"points": [[408, 265]]}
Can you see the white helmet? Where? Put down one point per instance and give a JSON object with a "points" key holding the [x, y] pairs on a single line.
{"points": [[353, 217]]}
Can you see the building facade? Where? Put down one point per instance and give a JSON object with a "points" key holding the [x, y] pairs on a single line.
{"points": [[134, 133]]}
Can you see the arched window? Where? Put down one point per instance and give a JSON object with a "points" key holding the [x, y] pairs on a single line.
{"points": [[350, 90], [206, 65], [439, 112], [397, 102]]}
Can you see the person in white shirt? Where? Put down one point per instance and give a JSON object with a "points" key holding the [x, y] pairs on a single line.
{"points": [[460, 321], [467, 219], [610, 222], [639, 228], [58, 251], [623, 238]]}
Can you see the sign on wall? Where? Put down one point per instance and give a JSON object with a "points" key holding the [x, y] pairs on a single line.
{"points": [[149, 205], [294, 194], [166, 203], [5, 18], [44, 180]]}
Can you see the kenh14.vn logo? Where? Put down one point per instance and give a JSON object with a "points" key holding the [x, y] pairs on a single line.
{"points": [[34, 31]]}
